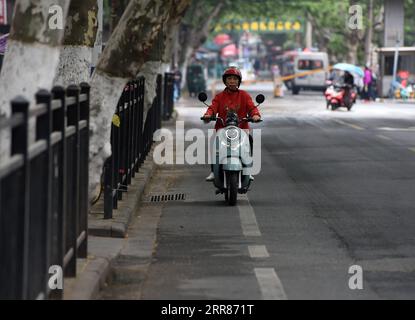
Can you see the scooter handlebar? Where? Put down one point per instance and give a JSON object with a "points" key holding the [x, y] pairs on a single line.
{"points": [[210, 119], [216, 118], [251, 120]]}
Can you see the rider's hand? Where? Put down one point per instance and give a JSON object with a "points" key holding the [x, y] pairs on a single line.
{"points": [[206, 118], [256, 118]]}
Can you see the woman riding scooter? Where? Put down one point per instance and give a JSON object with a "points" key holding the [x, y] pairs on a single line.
{"points": [[232, 99]]}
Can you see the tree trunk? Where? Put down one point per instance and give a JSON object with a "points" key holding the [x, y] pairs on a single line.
{"points": [[32, 55], [171, 48], [80, 33], [192, 37], [151, 69], [352, 38], [352, 46], [117, 9], [126, 52], [309, 35], [369, 34]]}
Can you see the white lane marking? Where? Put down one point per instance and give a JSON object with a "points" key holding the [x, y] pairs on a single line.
{"points": [[248, 219], [354, 126], [397, 129], [412, 149], [384, 137], [270, 285], [258, 251]]}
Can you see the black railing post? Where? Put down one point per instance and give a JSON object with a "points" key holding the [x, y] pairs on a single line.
{"points": [[166, 115], [168, 95], [115, 146], [159, 99], [129, 132], [14, 273], [43, 132], [84, 170], [73, 199], [59, 189], [141, 121], [123, 147], [108, 187], [134, 128]]}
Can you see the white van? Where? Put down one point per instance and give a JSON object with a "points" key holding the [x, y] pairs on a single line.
{"points": [[308, 61]]}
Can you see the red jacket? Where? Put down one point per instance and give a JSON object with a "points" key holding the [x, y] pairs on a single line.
{"points": [[239, 101]]}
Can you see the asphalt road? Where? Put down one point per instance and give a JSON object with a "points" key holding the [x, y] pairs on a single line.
{"points": [[336, 189]]}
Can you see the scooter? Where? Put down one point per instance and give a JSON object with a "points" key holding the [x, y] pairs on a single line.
{"points": [[330, 91], [232, 157], [335, 96]]}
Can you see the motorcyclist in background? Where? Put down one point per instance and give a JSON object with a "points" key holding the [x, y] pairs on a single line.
{"points": [[348, 81]]}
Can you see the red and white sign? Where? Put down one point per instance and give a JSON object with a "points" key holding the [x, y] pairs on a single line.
{"points": [[3, 12]]}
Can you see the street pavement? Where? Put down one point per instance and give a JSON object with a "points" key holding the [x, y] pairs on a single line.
{"points": [[335, 191]]}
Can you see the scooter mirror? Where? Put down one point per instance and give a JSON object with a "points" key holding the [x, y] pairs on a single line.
{"points": [[260, 98], [202, 97]]}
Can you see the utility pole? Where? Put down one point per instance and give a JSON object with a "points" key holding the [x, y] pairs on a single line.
{"points": [[309, 34], [395, 63]]}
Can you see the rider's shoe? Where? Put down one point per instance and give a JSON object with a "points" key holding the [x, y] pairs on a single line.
{"points": [[210, 177], [251, 178]]}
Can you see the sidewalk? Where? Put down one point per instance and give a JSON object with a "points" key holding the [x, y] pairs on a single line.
{"points": [[107, 238]]}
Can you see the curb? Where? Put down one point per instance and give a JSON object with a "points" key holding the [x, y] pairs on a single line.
{"points": [[93, 271]]}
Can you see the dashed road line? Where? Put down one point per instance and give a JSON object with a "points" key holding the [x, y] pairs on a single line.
{"points": [[268, 280], [258, 251], [248, 220], [354, 126], [384, 137], [397, 129], [270, 285]]}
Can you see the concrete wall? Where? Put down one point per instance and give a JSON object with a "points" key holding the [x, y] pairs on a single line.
{"points": [[394, 22]]}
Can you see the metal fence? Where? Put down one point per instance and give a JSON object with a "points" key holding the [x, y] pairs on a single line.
{"points": [[131, 139], [44, 192]]}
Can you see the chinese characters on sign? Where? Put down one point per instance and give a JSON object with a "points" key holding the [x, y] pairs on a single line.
{"points": [[260, 26]]}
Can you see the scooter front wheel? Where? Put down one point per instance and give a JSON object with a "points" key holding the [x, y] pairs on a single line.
{"points": [[233, 187]]}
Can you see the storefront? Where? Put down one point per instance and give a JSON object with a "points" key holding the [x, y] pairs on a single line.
{"points": [[406, 64]]}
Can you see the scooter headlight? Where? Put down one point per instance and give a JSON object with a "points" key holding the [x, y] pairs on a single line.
{"points": [[234, 145], [232, 133]]}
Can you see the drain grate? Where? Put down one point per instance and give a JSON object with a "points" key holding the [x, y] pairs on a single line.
{"points": [[167, 197]]}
